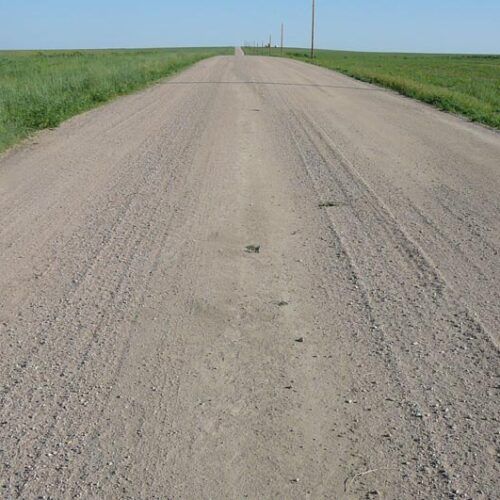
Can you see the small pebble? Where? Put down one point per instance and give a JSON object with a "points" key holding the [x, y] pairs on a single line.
{"points": [[252, 248]]}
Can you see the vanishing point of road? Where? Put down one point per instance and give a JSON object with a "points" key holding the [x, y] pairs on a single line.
{"points": [[257, 279]]}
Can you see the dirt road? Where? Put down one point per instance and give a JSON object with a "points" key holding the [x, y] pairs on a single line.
{"points": [[148, 353]]}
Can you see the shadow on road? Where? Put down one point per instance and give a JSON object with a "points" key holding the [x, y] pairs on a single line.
{"points": [[278, 83]]}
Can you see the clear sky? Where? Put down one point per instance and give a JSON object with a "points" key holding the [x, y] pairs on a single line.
{"points": [[466, 26]]}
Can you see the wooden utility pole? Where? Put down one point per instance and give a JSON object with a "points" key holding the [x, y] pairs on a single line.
{"points": [[282, 37], [313, 27], [270, 41]]}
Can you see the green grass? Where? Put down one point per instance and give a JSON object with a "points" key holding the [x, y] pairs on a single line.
{"points": [[465, 84], [40, 89]]}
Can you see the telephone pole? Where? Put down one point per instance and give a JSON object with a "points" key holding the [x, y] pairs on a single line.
{"points": [[313, 27], [270, 40], [282, 37]]}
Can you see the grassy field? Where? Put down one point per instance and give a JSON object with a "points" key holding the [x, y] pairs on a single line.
{"points": [[464, 84], [41, 89]]}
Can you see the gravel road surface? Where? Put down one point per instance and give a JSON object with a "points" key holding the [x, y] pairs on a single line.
{"points": [[258, 279]]}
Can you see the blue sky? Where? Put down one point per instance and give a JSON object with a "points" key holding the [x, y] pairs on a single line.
{"points": [[466, 26]]}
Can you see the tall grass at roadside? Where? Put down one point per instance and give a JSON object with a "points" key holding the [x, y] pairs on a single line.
{"points": [[40, 89], [464, 84]]}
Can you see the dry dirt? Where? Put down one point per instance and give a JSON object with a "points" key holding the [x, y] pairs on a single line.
{"points": [[148, 353]]}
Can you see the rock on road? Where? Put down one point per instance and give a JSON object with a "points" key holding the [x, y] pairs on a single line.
{"points": [[146, 354]]}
